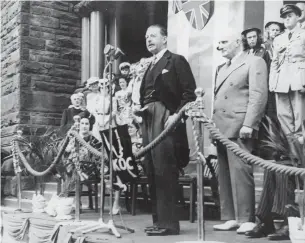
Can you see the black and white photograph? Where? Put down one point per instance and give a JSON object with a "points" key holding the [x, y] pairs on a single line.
{"points": [[168, 121]]}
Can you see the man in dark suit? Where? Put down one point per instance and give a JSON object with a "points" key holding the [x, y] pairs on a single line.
{"points": [[239, 103], [167, 86]]}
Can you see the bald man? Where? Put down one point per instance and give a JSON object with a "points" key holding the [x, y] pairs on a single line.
{"points": [[301, 6], [240, 97]]}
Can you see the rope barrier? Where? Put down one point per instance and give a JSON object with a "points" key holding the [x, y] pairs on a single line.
{"points": [[270, 165], [166, 131], [28, 166]]}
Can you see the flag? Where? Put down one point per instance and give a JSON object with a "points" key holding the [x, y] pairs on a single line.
{"points": [[197, 12]]}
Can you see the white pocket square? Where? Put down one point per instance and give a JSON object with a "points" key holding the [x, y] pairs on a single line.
{"points": [[164, 71]]}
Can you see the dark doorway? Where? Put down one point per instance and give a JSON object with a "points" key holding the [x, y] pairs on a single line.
{"points": [[136, 17]]}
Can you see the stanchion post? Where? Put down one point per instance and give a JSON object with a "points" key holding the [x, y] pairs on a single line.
{"points": [[110, 137], [200, 186], [77, 179], [18, 177]]}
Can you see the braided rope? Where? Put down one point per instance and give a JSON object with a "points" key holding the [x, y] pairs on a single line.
{"points": [[28, 166], [166, 131], [16, 160], [270, 165], [85, 144]]}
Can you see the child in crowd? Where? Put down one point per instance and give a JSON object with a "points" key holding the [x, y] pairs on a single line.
{"points": [[125, 71], [123, 104]]}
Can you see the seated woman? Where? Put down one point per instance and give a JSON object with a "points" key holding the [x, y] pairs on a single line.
{"points": [[89, 163], [74, 109]]}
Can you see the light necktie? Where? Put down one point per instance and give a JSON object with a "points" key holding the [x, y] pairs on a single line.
{"points": [[153, 63]]}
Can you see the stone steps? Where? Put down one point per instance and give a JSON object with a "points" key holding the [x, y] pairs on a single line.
{"points": [[51, 188]]}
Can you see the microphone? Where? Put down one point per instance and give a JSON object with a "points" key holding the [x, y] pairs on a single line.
{"points": [[110, 50]]}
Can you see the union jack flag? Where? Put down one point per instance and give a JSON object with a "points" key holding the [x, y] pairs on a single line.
{"points": [[197, 12]]}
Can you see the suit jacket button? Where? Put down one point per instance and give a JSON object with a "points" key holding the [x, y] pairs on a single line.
{"points": [[223, 110], [231, 84], [226, 97]]}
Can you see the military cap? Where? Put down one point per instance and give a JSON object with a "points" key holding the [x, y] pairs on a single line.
{"points": [[289, 8]]}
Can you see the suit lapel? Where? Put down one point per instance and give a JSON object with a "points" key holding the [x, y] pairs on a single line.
{"points": [[225, 71], [161, 64]]}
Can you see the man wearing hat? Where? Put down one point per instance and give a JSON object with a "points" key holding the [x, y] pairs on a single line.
{"points": [[287, 76], [252, 44], [301, 5]]}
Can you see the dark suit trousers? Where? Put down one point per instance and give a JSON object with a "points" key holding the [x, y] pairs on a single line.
{"points": [[161, 168], [278, 191], [236, 183]]}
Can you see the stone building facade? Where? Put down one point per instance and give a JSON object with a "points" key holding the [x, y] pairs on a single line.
{"points": [[50, 47], [40, 62]]}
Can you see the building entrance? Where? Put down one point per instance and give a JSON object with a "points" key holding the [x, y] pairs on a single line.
{"points": [[134, 19]]}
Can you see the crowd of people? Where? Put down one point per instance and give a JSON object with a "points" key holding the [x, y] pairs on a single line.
{"points": [[261, 77]]}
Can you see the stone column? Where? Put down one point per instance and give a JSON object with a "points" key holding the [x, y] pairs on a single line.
{"points": [[85, 72], [151, 6], [97, 38], [114, 35]]}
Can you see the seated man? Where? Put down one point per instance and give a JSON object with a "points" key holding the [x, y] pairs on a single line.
{"points": [[278, 191]]}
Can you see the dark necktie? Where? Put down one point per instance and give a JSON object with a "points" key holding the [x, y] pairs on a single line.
{"points": [[289, 36]]}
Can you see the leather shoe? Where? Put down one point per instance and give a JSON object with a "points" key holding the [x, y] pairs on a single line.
{"points": [[161, 232], [229, 225], [281, 234], [150, 228], [260, 230]]}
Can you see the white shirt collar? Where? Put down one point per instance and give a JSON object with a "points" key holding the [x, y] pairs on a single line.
{"points": [[160, 54]]}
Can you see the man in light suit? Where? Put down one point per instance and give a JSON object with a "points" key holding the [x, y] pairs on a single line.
{"points": [[167, 85], [239, 104], [287, 75]]}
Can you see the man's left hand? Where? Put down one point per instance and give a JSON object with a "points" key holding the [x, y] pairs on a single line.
{"points": [[170, 120], [245, 132]]}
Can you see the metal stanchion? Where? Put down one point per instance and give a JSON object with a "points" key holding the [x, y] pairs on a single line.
{"points": [[197, 107]]}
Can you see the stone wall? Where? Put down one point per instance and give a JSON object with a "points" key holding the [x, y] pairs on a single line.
{"points": [[41, 63]]}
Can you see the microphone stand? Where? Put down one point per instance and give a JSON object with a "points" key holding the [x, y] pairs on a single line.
{"points": [[93, 226]]}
